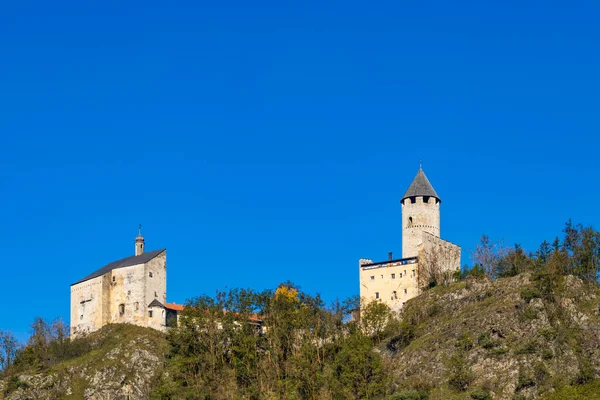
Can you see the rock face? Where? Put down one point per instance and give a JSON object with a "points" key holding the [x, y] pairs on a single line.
{"points": [[124, 363], [509, 338]]}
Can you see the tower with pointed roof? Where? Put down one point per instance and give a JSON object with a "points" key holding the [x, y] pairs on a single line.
{"points": [[420, 213], [426, 257]]}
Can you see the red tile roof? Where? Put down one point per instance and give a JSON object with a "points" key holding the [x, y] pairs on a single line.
{"points": [[174, 306]]}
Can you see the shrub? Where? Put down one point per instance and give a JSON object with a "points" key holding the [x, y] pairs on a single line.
{"points": [[528, 348], [403, 338], [460, 373], [547, 354], [464, 342], [529, 293], [480, 394], [524, 380], [410, 395], [485, 340]]}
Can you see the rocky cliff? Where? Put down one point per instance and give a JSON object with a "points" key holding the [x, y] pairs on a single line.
{"points": [[509, 338], [124, 362]]}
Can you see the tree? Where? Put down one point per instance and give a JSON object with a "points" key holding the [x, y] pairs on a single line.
{"points": [[487, 255], [9, 346]]}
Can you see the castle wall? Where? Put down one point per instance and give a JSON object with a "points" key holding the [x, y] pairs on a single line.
{"points": [[418, 217], [438, 257], [392, 282], [156, 285], [126, 293], [86, 306]]}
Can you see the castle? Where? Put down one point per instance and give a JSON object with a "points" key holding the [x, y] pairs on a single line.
{"points": [[425, 256], [134, 289], [131, 290]]}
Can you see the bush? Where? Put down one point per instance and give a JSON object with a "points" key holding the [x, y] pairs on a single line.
{"points": [[529, 293], [403, 338], [485, 340], [524, 380], [480, 394], [464, 342], [530, 347], [410, 395], [547, 354], [461, 376]]}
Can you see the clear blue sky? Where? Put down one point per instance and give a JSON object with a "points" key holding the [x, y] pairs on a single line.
{"points": [[262, 142]]}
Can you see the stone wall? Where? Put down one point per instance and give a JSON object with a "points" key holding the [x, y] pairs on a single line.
{"points": [[418, 217], [127, 297], [86, 306]]}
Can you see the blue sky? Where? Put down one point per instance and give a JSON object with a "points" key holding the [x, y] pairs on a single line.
{"points": [[261, 142]]}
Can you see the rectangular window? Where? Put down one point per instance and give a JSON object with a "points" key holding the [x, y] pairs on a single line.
{"points": [[150, 313], [150, 274], [405, 291], [381, 276], [372, 278], [393, 276], [376, 295], [400, 274]]}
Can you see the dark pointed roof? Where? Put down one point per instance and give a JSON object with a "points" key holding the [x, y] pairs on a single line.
{"points": [[156, 303], [124, 262], [420, 186]]}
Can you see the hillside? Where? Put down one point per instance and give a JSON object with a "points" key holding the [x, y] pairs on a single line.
{"points": [[511, 338], [123, 362], [507, 338]]}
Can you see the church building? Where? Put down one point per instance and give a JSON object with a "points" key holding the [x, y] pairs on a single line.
{"points": [[130, 290], [425, 256]]}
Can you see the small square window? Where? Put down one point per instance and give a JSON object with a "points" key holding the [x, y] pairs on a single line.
{"points": [[376, 295], [372, 278], [393, 276]]}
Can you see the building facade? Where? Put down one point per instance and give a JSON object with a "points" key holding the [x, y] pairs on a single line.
{"points": [[130, 290], [425, 256]]}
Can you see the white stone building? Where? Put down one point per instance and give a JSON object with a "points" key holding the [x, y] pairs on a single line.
{"points": [[424, 253], [130, 290]]}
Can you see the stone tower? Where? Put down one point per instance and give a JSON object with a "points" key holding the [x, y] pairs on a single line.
{"points": [[139, 242], [420, 213]]}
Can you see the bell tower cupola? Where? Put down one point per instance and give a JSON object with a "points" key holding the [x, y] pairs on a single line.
{"points": [[420, 213], [139, 242]]}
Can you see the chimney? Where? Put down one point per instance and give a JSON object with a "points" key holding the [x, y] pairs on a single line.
{"points": [[390, 258]]}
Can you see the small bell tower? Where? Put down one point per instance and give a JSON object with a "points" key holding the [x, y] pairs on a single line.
{"points": [[139, 242]]}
